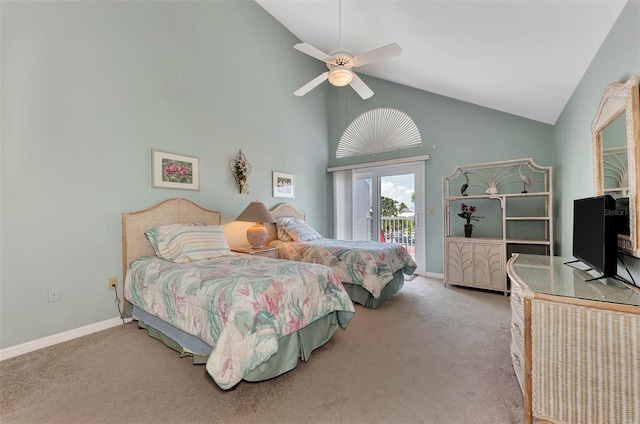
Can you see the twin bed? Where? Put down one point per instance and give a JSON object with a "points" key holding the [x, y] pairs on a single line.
{"points": [[371, 272], [246, 317]]}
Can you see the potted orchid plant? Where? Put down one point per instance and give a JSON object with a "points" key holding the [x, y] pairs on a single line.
{"points": [[467, 212]]}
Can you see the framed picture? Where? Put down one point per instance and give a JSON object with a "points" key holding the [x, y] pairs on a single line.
{"points": [[170, 170], [284, 185]]}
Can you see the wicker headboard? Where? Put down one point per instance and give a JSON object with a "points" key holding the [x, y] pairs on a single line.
{"points": [[171, 211], [282, 210]]}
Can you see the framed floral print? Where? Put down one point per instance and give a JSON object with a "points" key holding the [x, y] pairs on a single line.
{"points": [[171, 170]]}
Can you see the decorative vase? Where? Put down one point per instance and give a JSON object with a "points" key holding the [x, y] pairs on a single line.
{"points": [[468, 228]]}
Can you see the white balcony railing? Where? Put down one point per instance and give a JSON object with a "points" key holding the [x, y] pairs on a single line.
{"points": [[395, 229]]}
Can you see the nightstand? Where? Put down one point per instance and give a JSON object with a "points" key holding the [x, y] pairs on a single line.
{"points": [[267, 252]]}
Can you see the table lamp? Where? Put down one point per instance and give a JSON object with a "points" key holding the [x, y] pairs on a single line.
{"points": [[256, 212]]}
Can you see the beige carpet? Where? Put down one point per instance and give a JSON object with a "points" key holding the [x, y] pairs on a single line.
{"points": [[432, 355]]}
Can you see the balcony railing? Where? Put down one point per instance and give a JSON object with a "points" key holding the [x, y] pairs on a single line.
{"points": [[395, 229]]}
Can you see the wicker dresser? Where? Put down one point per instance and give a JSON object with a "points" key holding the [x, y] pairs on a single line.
{"points": [[575, 345]]}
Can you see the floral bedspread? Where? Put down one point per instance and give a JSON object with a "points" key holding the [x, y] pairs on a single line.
{"points": [[239, 304], [365, 263]]}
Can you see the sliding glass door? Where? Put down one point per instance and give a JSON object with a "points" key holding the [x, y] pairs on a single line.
{"points": [[388, 206]]}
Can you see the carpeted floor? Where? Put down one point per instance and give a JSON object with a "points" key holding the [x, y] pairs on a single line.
{"points": [[433, 355]]}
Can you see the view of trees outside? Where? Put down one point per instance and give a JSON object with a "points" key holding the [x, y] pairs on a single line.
{"points": [[397, 200], [396, 228], [391, 207]]}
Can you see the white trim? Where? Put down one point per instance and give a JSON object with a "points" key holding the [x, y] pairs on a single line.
{"points": [[434, 275], [342, 204], [379, 163], [34, 345], [417, 168]]}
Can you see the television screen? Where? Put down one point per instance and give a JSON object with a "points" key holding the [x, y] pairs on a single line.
{"points": [[622, 216], [594, 233]]}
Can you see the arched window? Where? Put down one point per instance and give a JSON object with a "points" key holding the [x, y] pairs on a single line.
{"points": [[378, 130]]}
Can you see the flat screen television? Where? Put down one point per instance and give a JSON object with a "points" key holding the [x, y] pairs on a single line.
{"points": [[622, 216], [595, 234]]}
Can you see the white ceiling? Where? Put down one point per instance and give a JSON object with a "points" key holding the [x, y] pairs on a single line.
{"points": [[521, 57]]}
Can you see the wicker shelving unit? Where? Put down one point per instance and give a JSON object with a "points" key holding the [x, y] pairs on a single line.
{"points": [[522, 190]]}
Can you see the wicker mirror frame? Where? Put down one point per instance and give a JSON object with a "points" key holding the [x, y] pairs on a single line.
{"points": [[617, 99]]}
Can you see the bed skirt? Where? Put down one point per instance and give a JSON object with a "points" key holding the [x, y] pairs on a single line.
{"points": [[360, 295], [291, 348]]}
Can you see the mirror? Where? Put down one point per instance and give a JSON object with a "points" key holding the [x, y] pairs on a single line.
{"points": [[615, 166], [616, 155]]}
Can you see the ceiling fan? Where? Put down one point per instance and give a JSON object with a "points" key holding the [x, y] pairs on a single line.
{"points": [[340, 64]]}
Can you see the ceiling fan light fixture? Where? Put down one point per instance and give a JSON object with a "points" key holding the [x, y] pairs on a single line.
{"points": [[340, 76]]}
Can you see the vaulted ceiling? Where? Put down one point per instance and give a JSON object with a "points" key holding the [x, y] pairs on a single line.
{"points": [[517, 56]]}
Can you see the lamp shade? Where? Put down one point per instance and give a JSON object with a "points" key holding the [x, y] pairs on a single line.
{"points": [[340, 76], [256, 212]]}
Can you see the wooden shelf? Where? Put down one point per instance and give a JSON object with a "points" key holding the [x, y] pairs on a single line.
{"points": [[474, 239], [527, 218], [499, 196], [542, 242], [529, 241]]}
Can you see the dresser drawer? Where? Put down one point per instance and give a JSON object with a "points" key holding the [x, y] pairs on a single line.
{"points": [[517, 359], [517, 332], [517, 307]]}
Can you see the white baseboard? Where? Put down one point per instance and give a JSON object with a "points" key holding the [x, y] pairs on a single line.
{"points": [[23, 348]]}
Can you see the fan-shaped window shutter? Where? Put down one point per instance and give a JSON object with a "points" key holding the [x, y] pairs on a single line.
{"points": [[378, 130]]}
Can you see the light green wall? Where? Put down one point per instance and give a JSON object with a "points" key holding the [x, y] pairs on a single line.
{"points": [[617, 59], [462, 133], [89, 88]]}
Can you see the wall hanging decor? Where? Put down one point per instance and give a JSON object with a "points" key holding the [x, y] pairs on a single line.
{"points": [[170, 170], [240, 168]]}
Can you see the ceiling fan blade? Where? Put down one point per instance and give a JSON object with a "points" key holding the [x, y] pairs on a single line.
{"points": [[311, 84], [390, 50], [312, 51], [360, 87]]}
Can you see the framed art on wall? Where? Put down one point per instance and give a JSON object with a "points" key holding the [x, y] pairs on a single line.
{"points": [[171, 170], [284, 185]]}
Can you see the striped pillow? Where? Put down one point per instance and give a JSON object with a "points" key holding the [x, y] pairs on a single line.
{"points": [[189, 243], [153, 233], [298, 230], [281, 224]]}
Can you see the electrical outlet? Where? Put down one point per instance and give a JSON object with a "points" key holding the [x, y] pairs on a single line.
{"points": [[113, 283]]}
